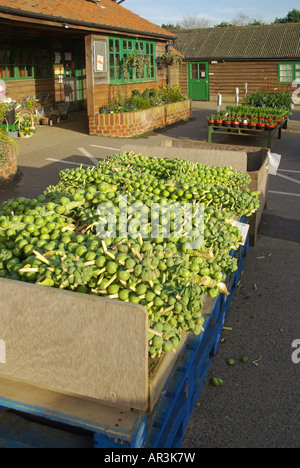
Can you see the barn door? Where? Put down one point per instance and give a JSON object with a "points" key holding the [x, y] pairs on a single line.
{"points": [[198, 81]]}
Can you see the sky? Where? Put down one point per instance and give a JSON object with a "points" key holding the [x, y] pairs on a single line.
{"points": [[173, 11]]}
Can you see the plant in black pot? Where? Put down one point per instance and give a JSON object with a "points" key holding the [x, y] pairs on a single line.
{"points": [[227, 120], [11, 112], [236, 121], [211, 119], [220, 119]]}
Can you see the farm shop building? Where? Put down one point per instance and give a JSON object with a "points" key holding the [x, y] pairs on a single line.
{"points": [[219, 60], [72, 51]]}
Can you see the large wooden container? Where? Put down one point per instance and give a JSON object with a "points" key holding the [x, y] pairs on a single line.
{"points": [[81, 345], [252, 160]]}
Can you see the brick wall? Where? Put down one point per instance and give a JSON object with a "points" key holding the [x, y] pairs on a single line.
{"points": [[129, 124], [9, 170]]}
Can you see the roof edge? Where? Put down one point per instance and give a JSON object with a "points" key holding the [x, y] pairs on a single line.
{"points": [[59, 19]]}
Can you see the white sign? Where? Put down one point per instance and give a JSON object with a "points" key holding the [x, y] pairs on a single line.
{"points": [[243, 228], [274, 161]]}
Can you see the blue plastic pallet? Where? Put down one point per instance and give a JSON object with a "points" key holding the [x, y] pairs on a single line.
{"points": [[22, 426]]}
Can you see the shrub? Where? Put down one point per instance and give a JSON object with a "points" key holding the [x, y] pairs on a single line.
{"points": [[139, 101], [146, 94], [136, 92], [6, 140], [153, 92], [269, 99]]}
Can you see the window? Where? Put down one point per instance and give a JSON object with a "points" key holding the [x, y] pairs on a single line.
{"points": [[120, 49], [288, 72], [21, 61], [198, 71]]}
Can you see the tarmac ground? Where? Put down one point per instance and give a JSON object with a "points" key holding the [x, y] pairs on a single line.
{"points": [[259, 404]]}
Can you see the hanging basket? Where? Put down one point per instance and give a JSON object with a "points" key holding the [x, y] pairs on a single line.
{"points": [[169, 60]]}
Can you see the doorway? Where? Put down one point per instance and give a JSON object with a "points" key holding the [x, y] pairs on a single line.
{"points": [[198, 81]]}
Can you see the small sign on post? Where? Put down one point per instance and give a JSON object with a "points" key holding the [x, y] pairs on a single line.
{"points": [[219, 102]]}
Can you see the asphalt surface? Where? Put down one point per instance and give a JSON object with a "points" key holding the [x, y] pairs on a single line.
{"points": [[259, 404]]}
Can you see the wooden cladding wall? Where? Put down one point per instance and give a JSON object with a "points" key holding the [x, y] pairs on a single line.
{"points": [[18, 89], [183, 79], [175, 72], [225, 77]]}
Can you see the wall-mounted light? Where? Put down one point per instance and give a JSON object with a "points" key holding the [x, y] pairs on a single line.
{"points": [[65, 25]]}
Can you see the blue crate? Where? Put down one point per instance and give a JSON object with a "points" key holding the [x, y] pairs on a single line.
{"points": [[164, 427]]}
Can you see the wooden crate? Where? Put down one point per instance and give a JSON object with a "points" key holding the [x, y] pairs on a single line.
{"points": [[253, 160], [257, 168], [79, 344], [33, 417]]}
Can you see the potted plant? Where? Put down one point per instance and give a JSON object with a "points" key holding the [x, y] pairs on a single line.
{"points": [[30, 103], [227, 120], [211, 119], [271, 123], [167, 59], [244, 122], [26, 127], [170, 59], [236, 121], [252, 123], [11, 113], [261, 123], [137, 61], [220, 119]]}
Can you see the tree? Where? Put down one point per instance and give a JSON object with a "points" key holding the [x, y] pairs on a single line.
{"points": [[171, 27], [240, 20], [224, 24], [195, 22], [293, 16]]}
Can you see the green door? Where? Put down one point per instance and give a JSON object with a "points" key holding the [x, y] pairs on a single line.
{"points": [[198, 80]]}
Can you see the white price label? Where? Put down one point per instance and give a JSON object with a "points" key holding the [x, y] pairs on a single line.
{"points": [[243, 228]]}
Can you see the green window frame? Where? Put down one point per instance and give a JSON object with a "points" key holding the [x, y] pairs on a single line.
{"points": [[119, 49], [18, 62], [288, 72]]}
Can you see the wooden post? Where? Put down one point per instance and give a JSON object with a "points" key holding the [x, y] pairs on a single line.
{"points": [[219, 102], [89, 76]]}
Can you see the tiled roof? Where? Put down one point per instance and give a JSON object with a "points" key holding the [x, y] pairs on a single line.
{"points": [[102, 14], [241, 42]]}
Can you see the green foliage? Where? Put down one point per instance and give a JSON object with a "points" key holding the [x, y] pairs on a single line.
{"points": [[269, 99], [293, 16], [140, 62], [140, 103], [143, 100], [27, 125], [5, 141], [146, 94], [136, 92]]}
